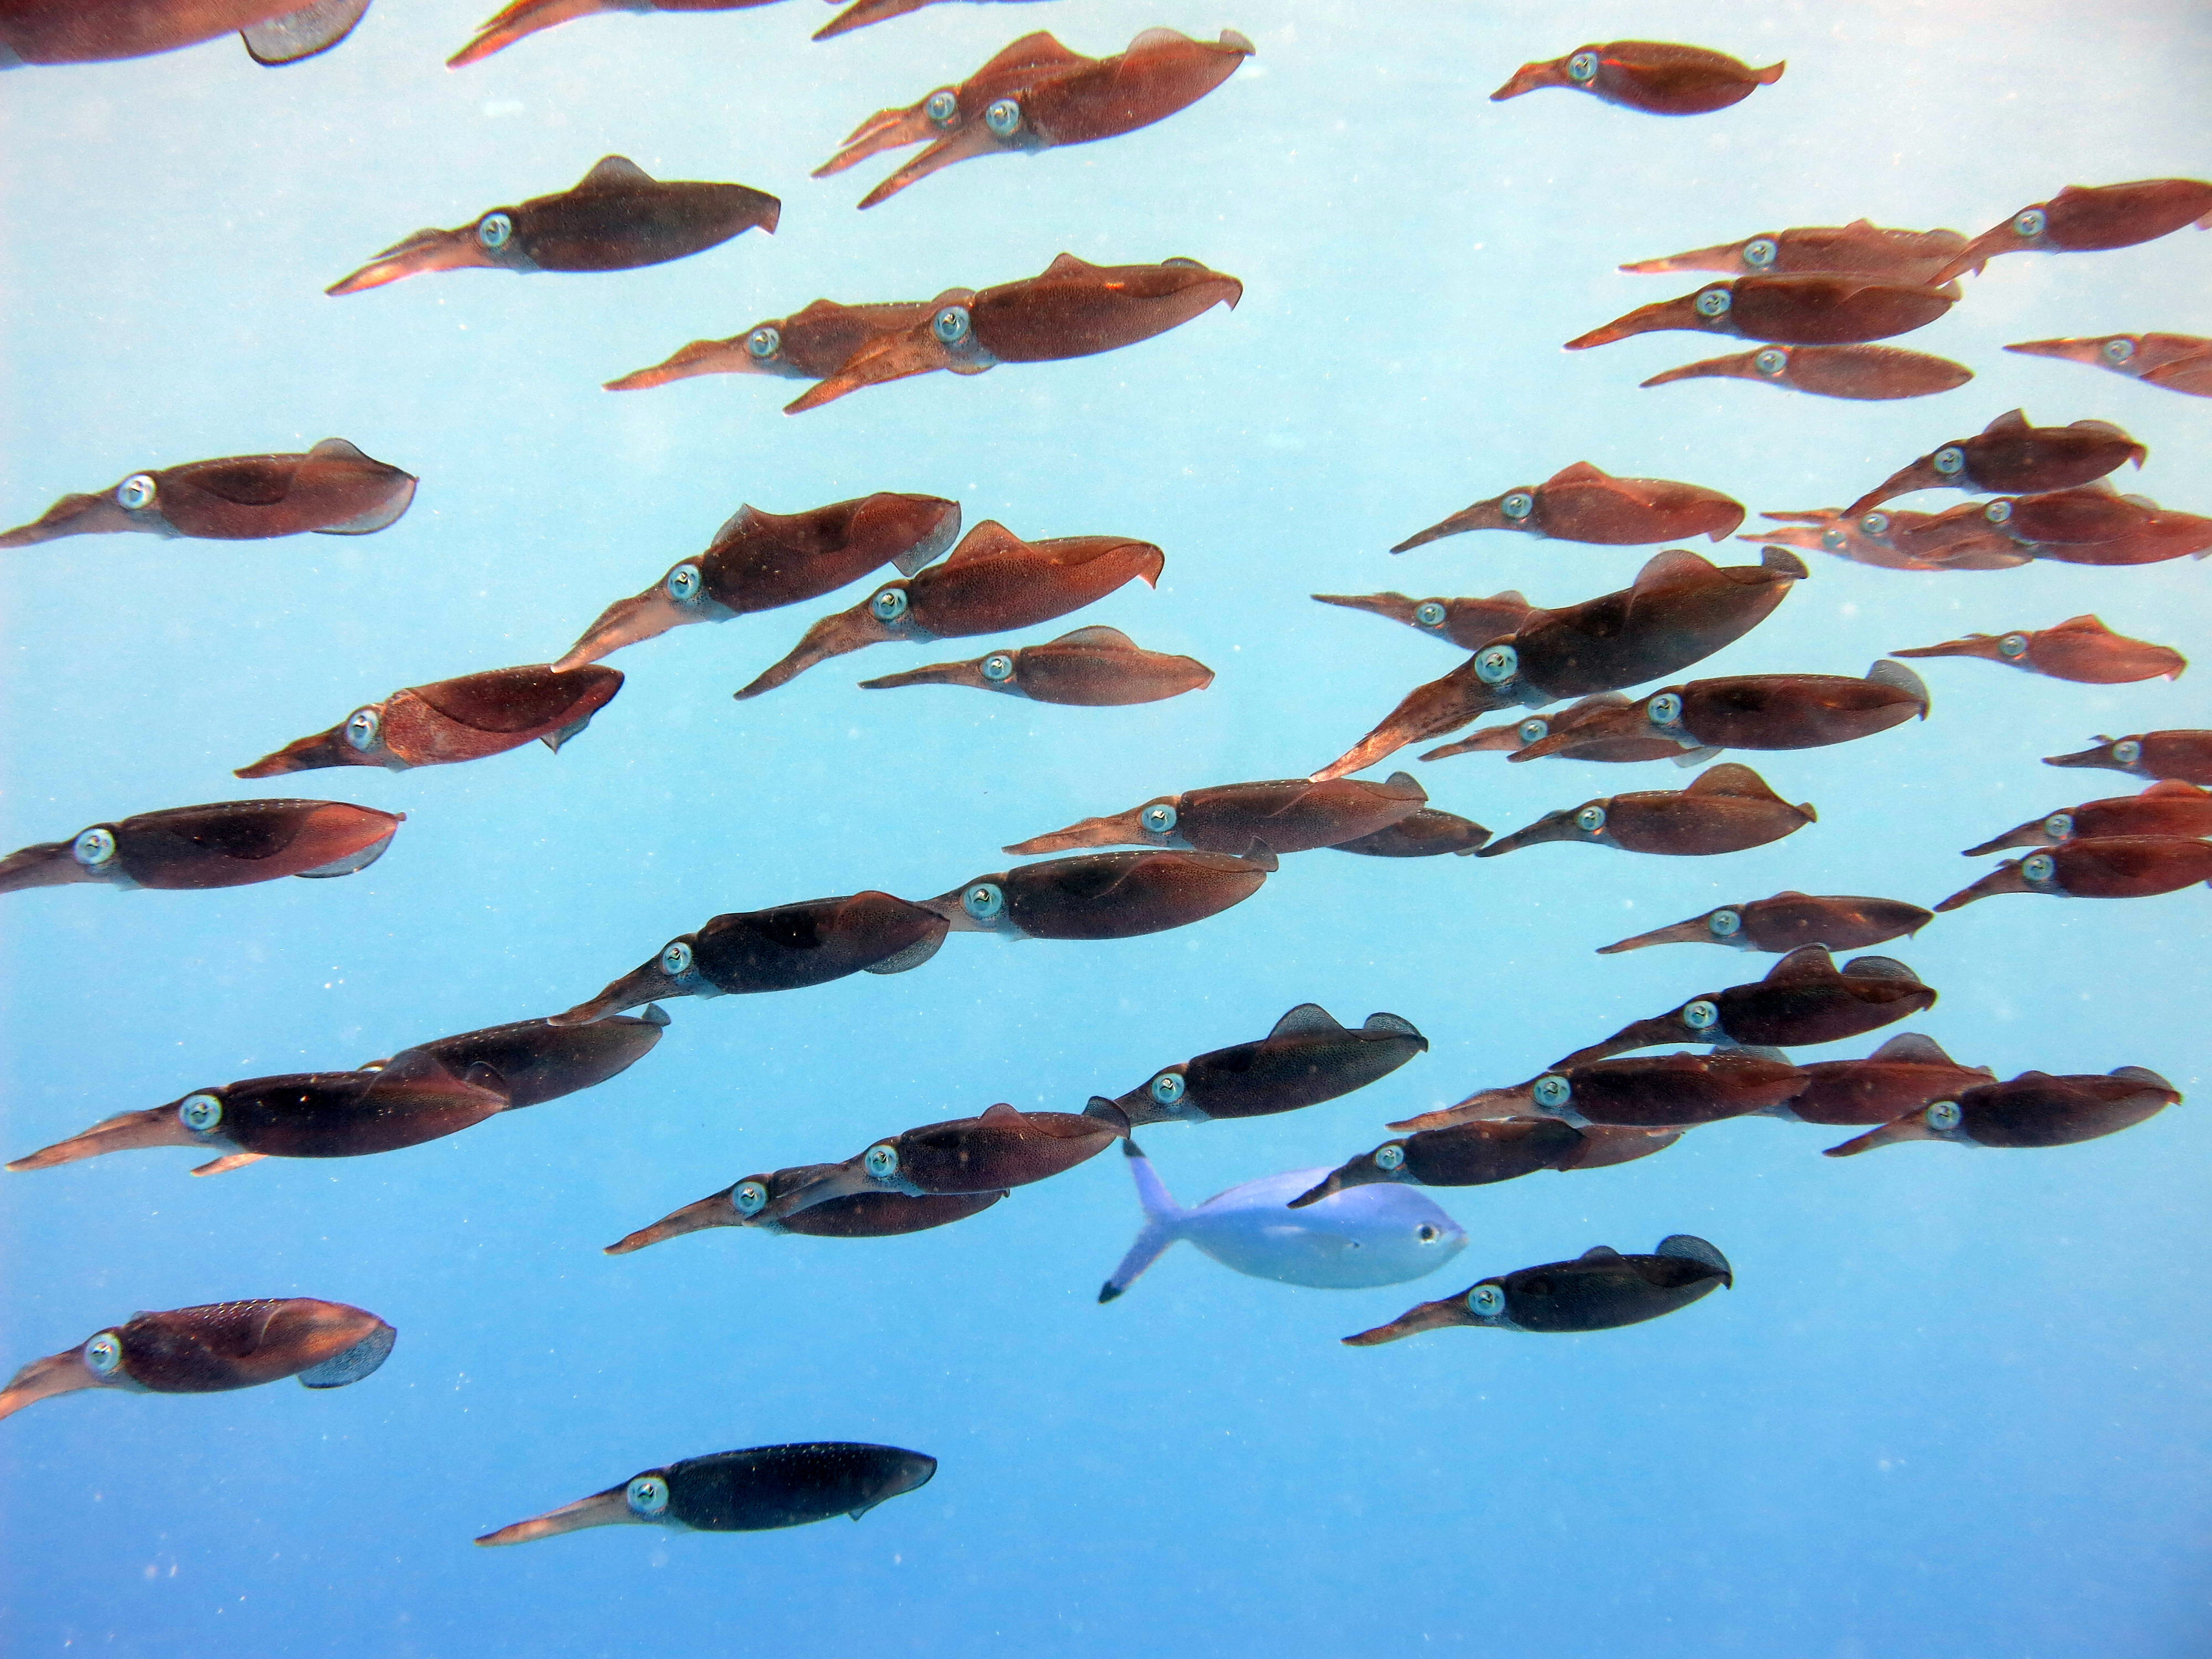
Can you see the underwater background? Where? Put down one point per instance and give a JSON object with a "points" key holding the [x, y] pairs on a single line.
{"points": [[1956, 1404]]}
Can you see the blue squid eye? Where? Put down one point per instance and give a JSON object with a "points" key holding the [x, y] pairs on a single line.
{"points": [[765, 342], [998, 667], [94, 847], [1003, 117], [1701, 1015], [942, 106], [951, 325], [1665, 709], [1430, 613], [984, 901], [750, 1198], [1998, 513], [1159, 817], [881, 1160], [1167, 1088], [683, 583], [136, 493], [647, 1495], [889, 604], [1591, 820], [1724, 924], [1486, 1301], [2128, 751], [2117, 351], [1943, 1115], [1581, 68], [1517, 505], [675, 960], [2039, 867], [1950, 460], [200, 1113], [1497, 665], [2012, 644], [1552, 1090], [2030, 223], [1875, 524], [1758, 253], [104, 1354], [1834, 540], [1533, 730], [361, 727], [495, 230], [1771, 362], [1391, 1156], [1714, 302], [2058, 825]]}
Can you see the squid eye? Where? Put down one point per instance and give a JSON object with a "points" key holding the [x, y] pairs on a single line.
{"points": [[998, 667], [1430, 613], [881, 1160], [1497, 665], [361, 727], [1715, 302], [750, 1198], [1950, 460], [648, 1495], [1391, 1156], [2128, 751], [495, 230], [1533, 730], [683, 583], [1003, 117], [2039, 867], [952, 324], [1665, 709], [2030, 223], [1428, 1233], [765, 342], [136, 493], [1701, 1015], [675, 960], [104, 1354], [1998, 513], [93, 847], [1517, 505], [2012, 644], [1875, 524], [1167, 1088], [2058, 825], [1724, 924], [1159, 817], [200, 1113], [1944, 1115], [983, 901], [944, 104], [1581, 68], [1552, 1090], [889, 604], [1758, 253], [1486, 1301], [1772, 361], [1834, 540], [2117, 351], [1591, 820]]}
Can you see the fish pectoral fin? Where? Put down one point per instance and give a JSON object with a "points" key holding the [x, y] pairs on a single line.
{"points": [[297, 35]]}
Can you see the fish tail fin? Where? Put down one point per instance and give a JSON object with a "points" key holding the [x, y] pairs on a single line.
{"points": [[1162, 1223]]}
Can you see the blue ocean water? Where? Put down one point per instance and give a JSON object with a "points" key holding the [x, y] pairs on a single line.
{"points": [[1956, 1402]]}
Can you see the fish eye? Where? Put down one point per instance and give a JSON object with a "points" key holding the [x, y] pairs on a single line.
{"points": [[1497, 665], [495, 230], [983, 901], [2128, 751], [1581, 68], [648, 1495], [1552, 1090], [2030, 222], [952, 324], [1834, 540], [1486, 1301], [1701, 1015], [1430, 613], [765, 342], [889, 604], [1772, 361], [1665, 709], [200, 1113], [1724, 924], [1998, 513], [750, 1198], [1428, 1232], [1591, 820], [1875, 524], [683, 583], [998, 667], [1167, 1088], [361, 727], [93, 847], [2117, 351], [136, 493], [1534, 729], [1715, 302], [1758, 253], [103, 1355], [1517, 505], [942, 106], [2039, 867], [1158, 818], [881, 1160], [2058, 825], [1950, 460], [2012, 644], [1390, 1156], [1003, 117], [675, 960], [1944, 1115]]}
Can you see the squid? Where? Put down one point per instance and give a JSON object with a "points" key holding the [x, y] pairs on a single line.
{"points": [[227, 844], [1481, 1153], [2180, 362], [1590, 722], [2089, 218], [1873, 538], [1089, 668], [1791, 311], [1860, 248], [2008, 455], [2080, 648], [1600, 1290], [1294, 815], [276, 32], [1728, 809], [1426, 834], [527, 17], [808, 345], [1750, 711], [1655, 76], [1863, 373], [2098, 866], [1787, 921], [1468, 623], [453, 720], [1105, 894], [2178, 756], [862, 1215], [2034, 1109], [1308, 1058], [1579, 503], [2164, 809], [1660, 1091], [1903, 1075]]}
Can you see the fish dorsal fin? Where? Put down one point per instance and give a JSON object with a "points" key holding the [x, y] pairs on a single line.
{"points": [[1038, 51], [746, 517], [2174, 789], [1396, 1022], [337, 449], [1913, 1046], [1307, 1019], [1580, 472], [300, 34], [1001, 1113], [988, 540], [1731, 779], [2090, 624], [1675, 564], [1599, 1253], [1899, 677], [1404, 783], [612, 172], [2013, 420], [1105, 638], [2142, 1074], [1782, 561], [1878, 968], [1688, 1246], [1068, 264], [1806, 962]]}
